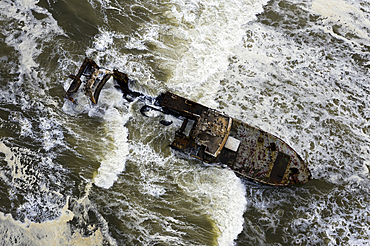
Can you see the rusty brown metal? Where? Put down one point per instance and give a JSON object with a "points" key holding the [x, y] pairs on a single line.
{"points": [[91, 71], [179, 105], [99, 87], [259, 156], [76, 83], [212, 131], [121, 78]]}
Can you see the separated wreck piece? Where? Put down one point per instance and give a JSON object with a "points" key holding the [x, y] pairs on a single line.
{"points": [[217, 138], [211, 136], [96, 78]]}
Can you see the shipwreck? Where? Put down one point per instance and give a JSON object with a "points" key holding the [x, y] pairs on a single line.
{"points": [[205, 133]]}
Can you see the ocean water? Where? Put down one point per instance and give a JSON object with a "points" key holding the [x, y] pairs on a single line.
{"points": [[83, 175]]}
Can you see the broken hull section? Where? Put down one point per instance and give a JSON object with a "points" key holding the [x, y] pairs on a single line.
{"points": [[250, 152]]}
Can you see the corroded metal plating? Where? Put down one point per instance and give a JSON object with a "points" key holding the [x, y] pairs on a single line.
{"points": [[260, 156]]}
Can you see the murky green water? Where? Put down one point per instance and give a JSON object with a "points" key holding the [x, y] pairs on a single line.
{"points": [[83, 175]]}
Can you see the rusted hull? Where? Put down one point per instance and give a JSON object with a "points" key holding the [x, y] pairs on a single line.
{"points": [[207, 134], [253, 153]]}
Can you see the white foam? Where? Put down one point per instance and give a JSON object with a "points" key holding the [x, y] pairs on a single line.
{"points": [[209, 31], [347, 14], [25, 172], [51, 133], [55, 232], [213, 192], [48, 207], [224, 200], [113, 163], [30, 32], [23, 122], [16, 168], [154, 190], [343, 226], [103, 41]]}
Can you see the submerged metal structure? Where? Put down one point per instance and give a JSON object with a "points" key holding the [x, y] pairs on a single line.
{"points": [[207, 134]]}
